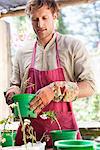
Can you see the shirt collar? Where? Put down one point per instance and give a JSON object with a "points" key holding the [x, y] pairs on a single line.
{"points": [[51, 42]]}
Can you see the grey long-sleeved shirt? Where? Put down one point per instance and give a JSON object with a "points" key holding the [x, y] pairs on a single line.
{"points": [[73, 56]]}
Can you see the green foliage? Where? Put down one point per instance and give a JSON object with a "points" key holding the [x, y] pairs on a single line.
{"points": [[7, 120], [7, 134], [83, 22], [50, 114], [23, 27], [61, 27], [20, 22], [87, 109]]}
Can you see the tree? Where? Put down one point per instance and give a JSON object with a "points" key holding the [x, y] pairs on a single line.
{"points": [[61, 26], [83, 21]]}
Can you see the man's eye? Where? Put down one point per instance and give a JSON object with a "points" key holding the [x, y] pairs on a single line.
{"points": [[45, 18], [34, 19]]}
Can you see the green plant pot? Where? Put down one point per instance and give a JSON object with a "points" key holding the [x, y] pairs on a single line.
{"points": [[24, 102], [63, 135], [10, 138], [74, 145]]}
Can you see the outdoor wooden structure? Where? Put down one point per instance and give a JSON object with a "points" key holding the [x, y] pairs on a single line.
{"points": [[18, 7]]}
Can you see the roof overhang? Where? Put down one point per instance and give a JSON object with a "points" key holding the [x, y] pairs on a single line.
{"points": [[17, 7]]}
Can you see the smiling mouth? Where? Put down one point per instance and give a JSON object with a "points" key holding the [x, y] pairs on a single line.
{"points": [[41, 30]]}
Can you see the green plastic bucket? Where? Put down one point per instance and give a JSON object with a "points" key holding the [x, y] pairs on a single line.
{"points": [[74, 145], [63, 135], [10, 138], [24, 102]]}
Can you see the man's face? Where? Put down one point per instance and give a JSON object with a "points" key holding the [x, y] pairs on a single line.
{"points": [[43, 22]]}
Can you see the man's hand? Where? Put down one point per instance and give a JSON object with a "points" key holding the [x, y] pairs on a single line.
{"points": [[71, 92], [10, 93], [56, 91], [65, 91], [43, 98]]}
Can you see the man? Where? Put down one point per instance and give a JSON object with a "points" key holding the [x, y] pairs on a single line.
{"points": [[49, 63]]}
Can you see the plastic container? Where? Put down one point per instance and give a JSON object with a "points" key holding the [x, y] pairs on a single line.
{"points": [[74, 145], [10, 138], [63, 135], [34, 146], [24, 102]]}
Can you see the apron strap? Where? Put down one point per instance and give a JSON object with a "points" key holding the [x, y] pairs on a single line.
{"points": [[33, 55], [57, 52]]}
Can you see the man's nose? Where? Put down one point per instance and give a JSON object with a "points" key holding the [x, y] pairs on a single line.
{"points": [[40, 23]]}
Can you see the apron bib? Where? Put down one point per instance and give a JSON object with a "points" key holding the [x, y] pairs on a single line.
{"points": [[63, 110]]}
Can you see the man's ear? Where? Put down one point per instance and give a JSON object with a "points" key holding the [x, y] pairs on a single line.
{"points": [[55, 16]]}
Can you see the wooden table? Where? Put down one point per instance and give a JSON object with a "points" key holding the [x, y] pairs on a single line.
{"points": [[18, 148]]}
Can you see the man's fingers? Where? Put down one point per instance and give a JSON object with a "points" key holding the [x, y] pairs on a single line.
{"points": [[36, 102], [37, 98], [43, 98], [38, 108], [9, 92], [8, 97], [13, 90]]}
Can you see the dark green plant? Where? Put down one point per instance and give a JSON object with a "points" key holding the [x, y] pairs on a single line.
{"points": [[62, 27]]}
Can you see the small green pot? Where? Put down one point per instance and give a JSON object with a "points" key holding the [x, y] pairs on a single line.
{"points": [[74, 145], [63, 135], [24, 102], [10, 138]]}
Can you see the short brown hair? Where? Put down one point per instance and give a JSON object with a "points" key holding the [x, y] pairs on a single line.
{"points": [[36, 4]]}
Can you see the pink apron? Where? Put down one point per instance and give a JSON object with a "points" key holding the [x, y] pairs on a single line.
{"points": [[63, 110]]}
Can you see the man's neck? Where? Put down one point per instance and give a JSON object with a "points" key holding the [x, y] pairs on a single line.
{"points": [[45, 41]]}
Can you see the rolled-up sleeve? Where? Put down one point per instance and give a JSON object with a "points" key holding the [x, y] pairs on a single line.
{"points": [[83, 65]]}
